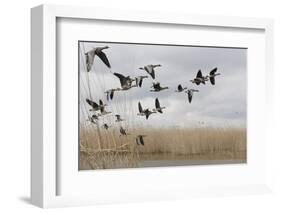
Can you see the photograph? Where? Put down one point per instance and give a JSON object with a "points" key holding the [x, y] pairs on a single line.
{"points": [[160, 105]]}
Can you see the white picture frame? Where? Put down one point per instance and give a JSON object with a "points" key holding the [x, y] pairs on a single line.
{"points": [[44, 155]]}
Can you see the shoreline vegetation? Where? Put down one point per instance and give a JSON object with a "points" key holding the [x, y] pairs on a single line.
{"points": [[106, 149]]}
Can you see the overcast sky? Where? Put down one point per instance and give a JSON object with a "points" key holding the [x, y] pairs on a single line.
{"points": [[220, 105]]}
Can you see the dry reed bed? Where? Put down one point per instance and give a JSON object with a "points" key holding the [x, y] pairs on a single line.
{"points": [[111, 150]]}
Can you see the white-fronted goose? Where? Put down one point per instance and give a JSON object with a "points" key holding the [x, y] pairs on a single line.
{"points": [[157, 87], [199, 78], [118, 118], [139, 139], [123, 131], [180, 88], [145, 112], [212, 75], [126, 82], [90, 56], [190, 94], [150, 69]]}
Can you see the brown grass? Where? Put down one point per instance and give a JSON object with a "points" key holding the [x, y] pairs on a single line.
{"points": [[114, 151]]}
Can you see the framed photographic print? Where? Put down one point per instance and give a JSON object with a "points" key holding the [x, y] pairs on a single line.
{"points": [[148, 105], [161, 114]]}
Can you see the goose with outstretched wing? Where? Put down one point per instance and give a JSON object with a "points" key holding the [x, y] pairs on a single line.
{"points": [[144, 112], [118, 118], [199, 78], [126, 82], [90, 56], [150, 69], [140, 140], [180, 88], [212, 75], [190, 94], [94, 105], [157, 87]]}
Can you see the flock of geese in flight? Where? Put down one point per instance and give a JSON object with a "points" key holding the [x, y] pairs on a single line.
{"points": [[128, 82]]}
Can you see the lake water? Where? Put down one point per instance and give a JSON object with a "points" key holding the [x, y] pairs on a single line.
{"points": [[164, 163]]}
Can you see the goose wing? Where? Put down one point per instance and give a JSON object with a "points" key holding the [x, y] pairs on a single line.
{"points": [[152, 73], [189, 96], [89, 57], [146, 114], [137, 140], [111, 94], [141, 140], [92, 103], [121, 77], [199, 74], [107, 95], [212, 80], [180, 87], [137, 80], [140, 82], [104, 59], [213, 71], [149, 69], [157, 105], [140, 108], [101, 106]]}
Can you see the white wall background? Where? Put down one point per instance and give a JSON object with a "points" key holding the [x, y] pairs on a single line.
{"points": [[15, 104]]}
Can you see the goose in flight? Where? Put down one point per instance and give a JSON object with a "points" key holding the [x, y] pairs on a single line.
{"points": [[150, 69], [94, 105], [93, 119], [212, 75], [104, 112], [158, 108], [102, 109], [105, 126], [139, 139], [145, 112], [157, 87], [102, 105], [126, 82], [123, 131], [180, 88], [139, 80], [118, 118], [199, 78], [190, 94], [91, 55]]}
